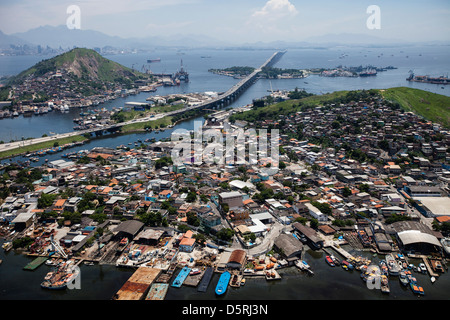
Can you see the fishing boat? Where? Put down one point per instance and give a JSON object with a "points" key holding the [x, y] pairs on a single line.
{"points": [[417, 289], [329, 261], [222, 285], [346, 265], [7, 246], [385, 284], [335, 260], [403, 277], [422, 267], [394, 269], [61, 277]]}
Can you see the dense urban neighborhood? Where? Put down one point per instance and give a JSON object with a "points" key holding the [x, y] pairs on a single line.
{"points": [[354, 169]]}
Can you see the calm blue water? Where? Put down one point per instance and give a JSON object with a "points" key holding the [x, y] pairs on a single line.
{"points": [[422, 60]]}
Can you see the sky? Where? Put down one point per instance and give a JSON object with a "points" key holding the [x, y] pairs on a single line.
{"points": [[237, 21]]}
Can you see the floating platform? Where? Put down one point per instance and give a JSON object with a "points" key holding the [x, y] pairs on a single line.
{"points": [[157, 291], [137, 285], [194, 280], [203, 286], [182, 275], [33, 265]]}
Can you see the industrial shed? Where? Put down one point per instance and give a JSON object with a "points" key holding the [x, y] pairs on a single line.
{"points": [[415, 236], [149, 236], [129, 229], [290, 247], [311, 235], [418, 241], [237, 259]]}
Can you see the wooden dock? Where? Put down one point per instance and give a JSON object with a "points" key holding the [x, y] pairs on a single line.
{"points": [[427, 264]]}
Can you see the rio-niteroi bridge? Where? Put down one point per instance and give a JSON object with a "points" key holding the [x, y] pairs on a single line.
{"points": [[220, 101]]}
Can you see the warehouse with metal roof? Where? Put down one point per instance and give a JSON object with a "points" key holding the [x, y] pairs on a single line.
{"points": [[415, 236]]}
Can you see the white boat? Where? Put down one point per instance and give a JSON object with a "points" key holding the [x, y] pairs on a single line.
{"points": [[446, 245], [422, 267], [393, 267]]}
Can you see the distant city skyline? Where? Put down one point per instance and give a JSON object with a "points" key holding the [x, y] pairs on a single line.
{"points": [[237, 21]]}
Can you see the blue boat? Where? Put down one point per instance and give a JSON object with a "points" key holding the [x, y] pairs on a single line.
{"points": [[223, 283], [181, 277]]}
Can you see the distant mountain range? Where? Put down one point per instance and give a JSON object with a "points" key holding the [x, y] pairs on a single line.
{"points": [[62, 37]]}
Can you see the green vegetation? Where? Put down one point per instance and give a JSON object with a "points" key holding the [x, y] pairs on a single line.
{"points": [[39, 146], [272, 111], [241, 71], [431, 106], [273, 73], [152, 124]]}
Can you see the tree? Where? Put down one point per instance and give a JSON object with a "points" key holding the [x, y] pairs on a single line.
{"points": [[192, 219], [346, 192], [225, 234], [46, 200], [191, 197]]}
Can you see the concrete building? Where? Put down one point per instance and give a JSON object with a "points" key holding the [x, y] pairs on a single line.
{"points": [[316, 213], [232, 199]]}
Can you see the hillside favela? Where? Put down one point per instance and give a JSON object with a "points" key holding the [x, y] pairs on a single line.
{"points": [[229, 154]]}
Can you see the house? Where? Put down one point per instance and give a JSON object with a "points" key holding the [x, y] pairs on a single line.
{"points": [[316, 213], [187, 243]]}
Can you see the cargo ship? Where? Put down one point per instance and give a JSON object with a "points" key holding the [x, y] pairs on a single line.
{"points": [[222, 285], [60, 277], [428, 79], [153, 60]]}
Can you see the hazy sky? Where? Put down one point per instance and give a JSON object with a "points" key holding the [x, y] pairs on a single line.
{"points": [[237, 21]]}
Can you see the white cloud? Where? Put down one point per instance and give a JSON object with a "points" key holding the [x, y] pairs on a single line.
{"points": [[275, 10]]}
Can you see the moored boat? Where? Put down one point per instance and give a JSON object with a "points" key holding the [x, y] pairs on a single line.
{"points": [[385, 284], [404, 278], [394, 269], [329, 261], [61, 277], [222, 285]]}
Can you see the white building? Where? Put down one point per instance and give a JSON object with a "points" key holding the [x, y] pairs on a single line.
{"points": [[316, 213]]}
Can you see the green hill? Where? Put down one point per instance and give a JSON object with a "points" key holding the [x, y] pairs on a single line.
{"points": [[432, 106], [84, 64]]}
